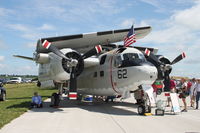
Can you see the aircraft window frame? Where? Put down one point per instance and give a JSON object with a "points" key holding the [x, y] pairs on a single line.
{"points": [[118, 61], [103, 59], [141, 56], [129, 59], [129, 56], [95, 74], [101, 73]]}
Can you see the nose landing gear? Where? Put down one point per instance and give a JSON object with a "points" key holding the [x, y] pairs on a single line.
{"points": [[144, 103], [142, 109]]}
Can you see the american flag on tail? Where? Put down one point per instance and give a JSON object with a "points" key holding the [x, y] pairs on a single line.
{"points": [[130, 38]]}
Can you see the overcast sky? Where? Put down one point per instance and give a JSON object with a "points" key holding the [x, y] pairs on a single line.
{"points": [[175, 23]]}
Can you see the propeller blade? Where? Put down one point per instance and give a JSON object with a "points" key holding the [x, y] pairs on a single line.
{"points": [[55, 50], [166, 81], [25, 57], [147, 52], [73, 85], [178, 58], [152, 56], [97, 49]]}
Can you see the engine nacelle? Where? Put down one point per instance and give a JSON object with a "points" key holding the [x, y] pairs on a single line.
{"points": [[42, 58], [161, 72], [55, 68]]}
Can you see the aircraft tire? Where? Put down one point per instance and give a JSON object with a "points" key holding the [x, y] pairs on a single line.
{"points": [[141, 109], [79, 98], [148, 109], [106, 100], [55, 100], [3, 96]]}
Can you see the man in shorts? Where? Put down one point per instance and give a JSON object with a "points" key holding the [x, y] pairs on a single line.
{"points": [[192, 92], [184, 93]]}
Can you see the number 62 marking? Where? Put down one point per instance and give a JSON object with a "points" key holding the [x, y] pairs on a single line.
{"points": [[122, 73]]}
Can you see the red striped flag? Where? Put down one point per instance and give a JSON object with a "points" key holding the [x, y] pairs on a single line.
{"points": [[130, 38]]}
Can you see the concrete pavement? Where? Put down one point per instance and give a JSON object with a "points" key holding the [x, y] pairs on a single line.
{"points": [[118, 117]]}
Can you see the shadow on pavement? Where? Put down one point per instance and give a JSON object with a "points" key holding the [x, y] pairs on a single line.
{"points": [[113, 108]]}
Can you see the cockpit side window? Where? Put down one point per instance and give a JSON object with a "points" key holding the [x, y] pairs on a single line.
{"points": [[118, 61], [141, 56], [130, 56], [129, 59], [103, 59]]}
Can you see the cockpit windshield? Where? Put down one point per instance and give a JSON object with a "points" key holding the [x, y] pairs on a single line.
{"points": [[129, 59]]}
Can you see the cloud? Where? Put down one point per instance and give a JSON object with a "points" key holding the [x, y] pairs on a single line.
{"points": [[21, 70], [2, 66], [31, 45], [2, 44], [70, 10], [193, 61], [177, 34], [18, 27], [2, 58], [177, 30], [131, 21], [27, 69], [5, 12], [167, 6], [189, 18], [46, 27], [127, 22], [59, 12], [31, 32], [31, 35]]}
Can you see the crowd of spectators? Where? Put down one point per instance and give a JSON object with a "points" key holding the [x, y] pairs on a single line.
{"points": [[186, 89]]}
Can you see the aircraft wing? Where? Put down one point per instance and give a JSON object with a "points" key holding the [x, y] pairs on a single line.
{"points": [[84, 42]]}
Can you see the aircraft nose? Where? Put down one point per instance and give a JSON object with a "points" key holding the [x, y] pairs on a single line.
{"points": [[150, 73]]}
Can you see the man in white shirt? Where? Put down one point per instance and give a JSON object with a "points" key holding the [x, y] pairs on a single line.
{"points": [[197, 90], [192, 92]]}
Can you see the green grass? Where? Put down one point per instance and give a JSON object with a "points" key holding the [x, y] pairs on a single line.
{"points": [[18, 100]]}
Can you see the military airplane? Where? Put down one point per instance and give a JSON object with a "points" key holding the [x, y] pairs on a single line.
{"points": [[91, 64]]}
